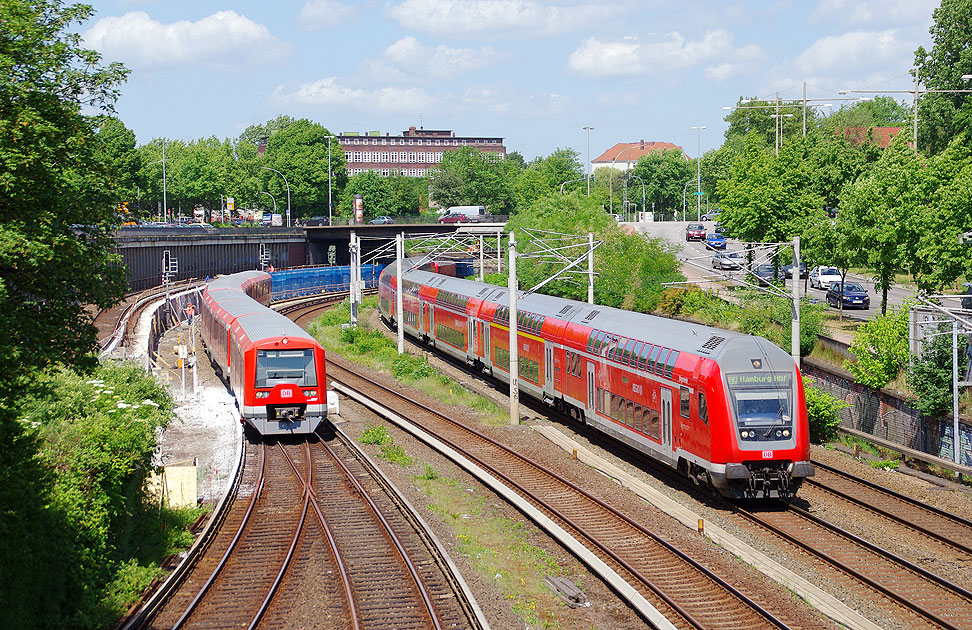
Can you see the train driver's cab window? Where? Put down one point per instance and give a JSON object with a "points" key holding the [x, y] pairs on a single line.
{"points": [[295, 367], [684, 402], [703, 408]]}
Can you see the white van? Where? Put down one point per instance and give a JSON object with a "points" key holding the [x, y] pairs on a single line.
{"points": [[472, 213]]}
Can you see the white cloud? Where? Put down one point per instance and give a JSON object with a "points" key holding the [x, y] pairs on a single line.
{"points": [[851, 50], [317, 15], [497, 17], [407, 58], [482, 97], [630, 57], [224, 39], [859, 12], [329, 93]]}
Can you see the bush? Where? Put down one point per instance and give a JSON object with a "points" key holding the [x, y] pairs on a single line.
{"points": [[673, 299], [375, 434], [822, 414], [930, 375], [881, 348]]}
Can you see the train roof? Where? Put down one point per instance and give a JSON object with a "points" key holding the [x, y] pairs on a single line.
{"points": [[236, 280], [268, 323], [729, 347]]}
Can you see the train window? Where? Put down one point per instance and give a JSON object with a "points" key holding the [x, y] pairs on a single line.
{"points": [[684, 402], [599, 400], [614, 406], [637, 417], [576, 367], [651, 359], [703, 408], [634, 353], [607, 401], [654, 425], [285, 366], [643, 356], [601, 340], [628, 349], [670, 364], [622, 418], [592, 341], [630, 417], [660, 365]]}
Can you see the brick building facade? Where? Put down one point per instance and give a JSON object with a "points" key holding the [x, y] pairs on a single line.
{"points": [[412, 153]]}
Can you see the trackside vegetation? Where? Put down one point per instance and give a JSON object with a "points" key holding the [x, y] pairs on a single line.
{"points": [[88, 536]]}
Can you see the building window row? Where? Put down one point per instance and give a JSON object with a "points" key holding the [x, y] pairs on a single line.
{"points": [[414, 141], [392, 157]]}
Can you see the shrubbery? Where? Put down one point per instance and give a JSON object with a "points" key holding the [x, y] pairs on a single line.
{"points": [[881, 347], [822, 414]]}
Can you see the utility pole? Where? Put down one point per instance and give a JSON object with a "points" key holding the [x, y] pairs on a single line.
{"points": [[514, 341], [588, 160], [590, 267], [399, 300], [795, 330]]}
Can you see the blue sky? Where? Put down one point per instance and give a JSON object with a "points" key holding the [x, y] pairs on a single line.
{"points": [[531, 71]]}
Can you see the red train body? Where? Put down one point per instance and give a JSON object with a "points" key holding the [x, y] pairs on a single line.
{"points": [[273, 367], [726, 409]]}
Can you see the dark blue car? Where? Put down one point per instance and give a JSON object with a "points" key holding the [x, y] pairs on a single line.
{"points": [[852, 296]]}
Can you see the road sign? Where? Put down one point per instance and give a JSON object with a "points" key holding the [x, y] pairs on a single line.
{"points": [[698, 194]]}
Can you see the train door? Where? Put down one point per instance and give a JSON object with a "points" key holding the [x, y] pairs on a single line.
{"points": [[548, 380], [666, 420], [470, 343], [590, 388]]}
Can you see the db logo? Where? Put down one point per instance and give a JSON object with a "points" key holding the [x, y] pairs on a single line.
{"points": [[767, 454], [288, 393]]}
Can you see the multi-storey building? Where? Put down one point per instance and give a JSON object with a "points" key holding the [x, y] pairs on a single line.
{"points": [[413, 153]]}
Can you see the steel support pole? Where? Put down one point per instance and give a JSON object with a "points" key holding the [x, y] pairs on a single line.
{"points": [[956, 436], [399, 300], [514, 341], [795, 276], [590, 267], [482, 259], [355, 261], [499, 251]]}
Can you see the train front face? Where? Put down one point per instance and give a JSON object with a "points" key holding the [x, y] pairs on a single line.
{"points": [[287, 387], [765, 437]]}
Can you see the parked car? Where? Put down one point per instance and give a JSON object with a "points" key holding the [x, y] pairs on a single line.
{"points": [[766, 275], [453, 218], [788, 270], [821, 277], [727, 260], [853, 295], [382, 220], [711, 214], [715, 241], [316, 221], [694, 232]]}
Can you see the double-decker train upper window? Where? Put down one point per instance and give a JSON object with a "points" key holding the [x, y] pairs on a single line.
{"points": [[660, 365], [643, 356], [296, 367], [652, 358], [670, 364], [628, 350]]}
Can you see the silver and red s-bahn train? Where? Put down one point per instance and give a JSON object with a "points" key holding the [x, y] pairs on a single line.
{"points": [[724, 408], [273, 367]]}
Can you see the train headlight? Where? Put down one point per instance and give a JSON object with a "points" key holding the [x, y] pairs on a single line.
{"points": [[262, 394], [310, 393], [745, 434], [786, 433], [779, 433]]}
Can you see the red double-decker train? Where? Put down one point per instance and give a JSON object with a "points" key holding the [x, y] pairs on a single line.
{"points": [[273, 367], [724, 408]]}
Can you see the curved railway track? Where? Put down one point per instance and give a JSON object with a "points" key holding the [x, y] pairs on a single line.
{"points": [[925, 519], [932, 601], [312, 538], [683, 590]]}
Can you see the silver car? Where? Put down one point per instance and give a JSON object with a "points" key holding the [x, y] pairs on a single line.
{"points": [[727, 260]]}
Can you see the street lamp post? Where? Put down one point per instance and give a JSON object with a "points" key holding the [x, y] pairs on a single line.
{"points": [[329, 218], [267, 168], [611, 180], [698, 173], [916, 92], [642, 191], [263, 192], [684, 189], [588, 129]]}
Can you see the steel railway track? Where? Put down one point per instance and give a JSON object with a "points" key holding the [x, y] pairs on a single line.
{"points": [[683, 590], [925, 519], [933, 601]]}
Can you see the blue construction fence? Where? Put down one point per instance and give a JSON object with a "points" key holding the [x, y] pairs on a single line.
{"points": [[304, 281]]}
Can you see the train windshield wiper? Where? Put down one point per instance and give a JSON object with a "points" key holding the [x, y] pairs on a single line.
{"points": [[779, 416]]}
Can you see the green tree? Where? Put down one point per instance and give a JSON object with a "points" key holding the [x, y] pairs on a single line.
{"points": [[879, 213], [881, 111], [664, 175], [941, 116], [751, 116], [467, 176], [300, 152], [260, 134], [717, 166], [881, 348], [930, 374], [205, 172], [375, 193], [54, 174], [116, 149]]}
